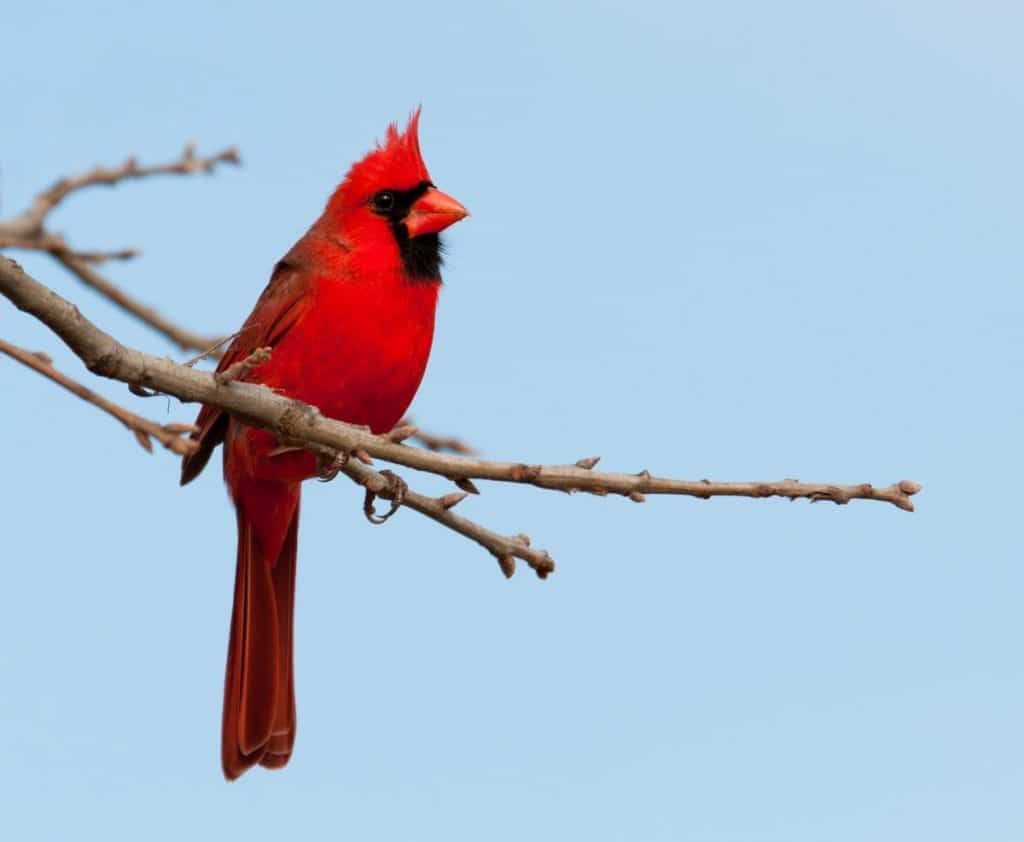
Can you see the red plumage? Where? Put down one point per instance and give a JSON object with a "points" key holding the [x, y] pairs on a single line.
{"points": [[349, 315]]}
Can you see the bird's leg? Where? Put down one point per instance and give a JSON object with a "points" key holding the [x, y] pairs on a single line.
{"points": [[396, 490]]}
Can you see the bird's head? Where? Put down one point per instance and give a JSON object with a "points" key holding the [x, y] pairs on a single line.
{"points": [[388, 206]]}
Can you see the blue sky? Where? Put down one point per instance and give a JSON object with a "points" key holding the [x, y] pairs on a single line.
{"points": [[738, 241]]}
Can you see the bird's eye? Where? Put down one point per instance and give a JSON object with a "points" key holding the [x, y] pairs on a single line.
{"points": [[384, 201]]}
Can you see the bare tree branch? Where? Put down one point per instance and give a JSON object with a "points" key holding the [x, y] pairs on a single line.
{"points": [[29, 224], [504, 549], [169, 435], [27, 231], [294, 422]]}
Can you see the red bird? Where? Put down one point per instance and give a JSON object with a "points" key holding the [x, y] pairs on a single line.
{"points": [[349, 314]]}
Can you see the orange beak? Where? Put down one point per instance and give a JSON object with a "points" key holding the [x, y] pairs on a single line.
{"points": [[432, 212]]}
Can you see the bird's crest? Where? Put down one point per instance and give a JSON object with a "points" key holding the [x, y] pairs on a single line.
{"points": [[395, 164]]}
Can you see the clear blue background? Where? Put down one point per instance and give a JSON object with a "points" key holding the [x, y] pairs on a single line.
{"points": [[732, 240]]}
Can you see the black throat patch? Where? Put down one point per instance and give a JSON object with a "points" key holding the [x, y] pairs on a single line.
{"points": [[421, 256]]}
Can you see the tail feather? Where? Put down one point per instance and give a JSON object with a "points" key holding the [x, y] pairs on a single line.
{"points": [[282, 736], [259, 691]]}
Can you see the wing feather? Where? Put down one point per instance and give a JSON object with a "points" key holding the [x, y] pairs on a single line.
{"points": [[279, 307]]}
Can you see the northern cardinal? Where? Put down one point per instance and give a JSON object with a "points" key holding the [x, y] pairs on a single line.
{"points": [[349, 315]]}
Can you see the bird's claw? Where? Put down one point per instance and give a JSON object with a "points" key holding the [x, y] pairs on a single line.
{"points": [[396, 491], [326, 470]]}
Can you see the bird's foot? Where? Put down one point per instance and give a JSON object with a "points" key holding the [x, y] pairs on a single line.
{"points": [[328, 469], [396, 491]]}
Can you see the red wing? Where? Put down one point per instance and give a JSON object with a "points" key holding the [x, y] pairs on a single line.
{"points": [[278, 308]]}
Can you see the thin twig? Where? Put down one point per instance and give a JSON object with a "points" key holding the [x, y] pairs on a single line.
{"points": [[214, 352], [243, 368], [169, 435], [55, 244], [432, 441]]}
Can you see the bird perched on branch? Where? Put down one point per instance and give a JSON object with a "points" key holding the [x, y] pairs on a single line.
{"points": [[348, 317]]}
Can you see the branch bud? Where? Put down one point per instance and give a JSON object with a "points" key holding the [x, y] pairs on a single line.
{"points": [[508, 565], [449, 501], [400, 434]]}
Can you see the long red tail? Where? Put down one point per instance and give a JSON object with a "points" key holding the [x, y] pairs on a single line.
{"points": [[259, 689]]}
